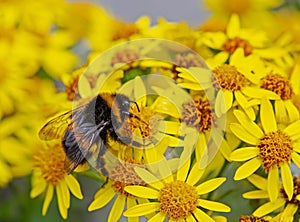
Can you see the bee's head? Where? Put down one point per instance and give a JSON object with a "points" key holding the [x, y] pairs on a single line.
{"points": [[123, 104]]}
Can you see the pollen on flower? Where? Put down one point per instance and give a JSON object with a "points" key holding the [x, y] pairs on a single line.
{"points": [[296, 192], [275, 148], [178, 199], [124, 175], [51, 162], [188, 60], [146, 122], [232, 44], [124, 56], [251, 219], [279, 85], [197, 113], [228, 77]]}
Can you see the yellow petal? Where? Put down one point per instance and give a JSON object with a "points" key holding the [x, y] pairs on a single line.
{"points": [[225, 150], [268, 208], [247, 169], [48, 199], [201, 75], [142, 209], [38, 188], [149, 178], [214, 206], [273, 179], [228, 96], [267, 116], [242, 134], [292, 111], [61, 199], [201, 216], [233, 27], [251, 127], [184, 164], [144, 192], [130, 202], [159, 217], [293, 129], [103, 197], [289, 212], [195, 174], [201, 147], [74, 186], [139, 90], [259, 93], [287, 180], [190, 218], [256, 194], [117, 208], [296, 159], [210, 185], [244, 153], [258, 181], [220, 106], [64, 192], [280, 111], [193, 86], [241, 99], [170, 127]]}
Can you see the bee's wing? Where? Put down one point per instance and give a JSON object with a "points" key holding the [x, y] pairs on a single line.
{"points": [[56, 127]]}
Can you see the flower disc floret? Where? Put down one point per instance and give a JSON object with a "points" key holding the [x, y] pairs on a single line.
{"points": [[178, 199], [228, 77], [275, 148]]}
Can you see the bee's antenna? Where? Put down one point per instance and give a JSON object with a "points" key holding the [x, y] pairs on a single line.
{"points": [[137, 106]]}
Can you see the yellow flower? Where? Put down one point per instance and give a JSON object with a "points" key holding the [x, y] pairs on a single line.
{"points": [[264, 81], [235, 83], [177, 197], [285, 110], [253, 13], [15, 147], [236, 37], [287, 207], [121, 175], [49, 175], [179, 32], [269, 147]]}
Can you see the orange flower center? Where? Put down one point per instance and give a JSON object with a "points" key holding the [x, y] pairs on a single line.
{"points": [[275, 148], [51, 162], [228, 77], [251, 219], [188, 60], [178, 199], [125, 56], [296, 192], [232, 44], [124, 175], [279, 85], [197, 113]]}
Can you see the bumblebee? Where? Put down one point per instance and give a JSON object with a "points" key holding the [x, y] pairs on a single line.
{"points": [[84, 130]]}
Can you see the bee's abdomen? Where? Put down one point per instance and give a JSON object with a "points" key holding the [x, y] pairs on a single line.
{"points": [[72, 148]]}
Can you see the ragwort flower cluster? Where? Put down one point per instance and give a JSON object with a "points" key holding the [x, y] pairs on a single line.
{"points": [[189, 125]]}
